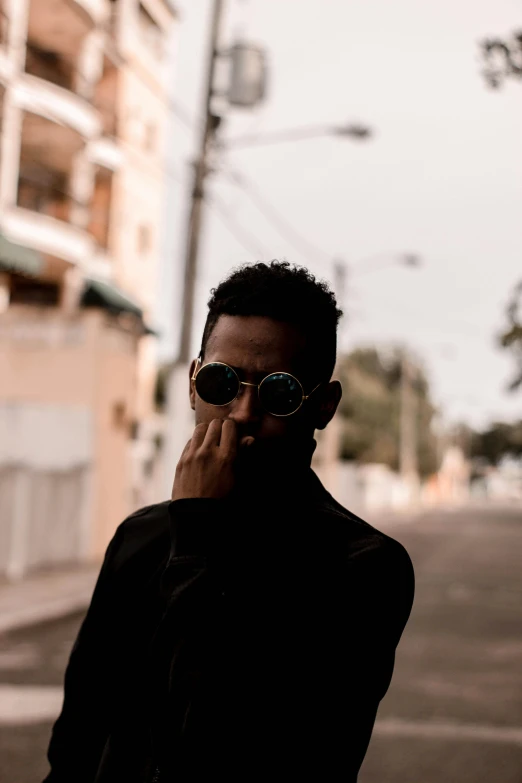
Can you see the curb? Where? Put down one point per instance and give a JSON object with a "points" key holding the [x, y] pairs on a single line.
{"points": [[42, 600], [34, 615]]}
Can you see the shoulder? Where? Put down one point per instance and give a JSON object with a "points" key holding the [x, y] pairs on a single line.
{"points": [[361, 542], [143, 533]]}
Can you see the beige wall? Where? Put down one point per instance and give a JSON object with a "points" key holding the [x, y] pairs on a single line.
{"points": [[86, 361], [140, 187], [115, 410]]}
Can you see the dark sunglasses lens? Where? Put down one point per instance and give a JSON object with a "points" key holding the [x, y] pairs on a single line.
{"points": [[217, 384], [280, 394]]}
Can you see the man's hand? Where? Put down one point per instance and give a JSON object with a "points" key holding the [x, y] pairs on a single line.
{"points": [[206, 466]]}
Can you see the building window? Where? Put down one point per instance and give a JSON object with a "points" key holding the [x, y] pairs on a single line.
{"points": [[2, 95], [49, 65], [150, 137], [144, 239], [34, 292], [150, 33], [4, 23], [119, 415], [44, 190], [101, 207]]}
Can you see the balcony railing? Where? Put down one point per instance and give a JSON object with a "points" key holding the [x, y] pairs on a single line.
{"points": [[44, 197]]}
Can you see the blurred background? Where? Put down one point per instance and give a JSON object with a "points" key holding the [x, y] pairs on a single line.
{"points": [[147, 147]]}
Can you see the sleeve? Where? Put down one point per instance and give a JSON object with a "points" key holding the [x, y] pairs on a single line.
{"points": [[374, 603], [80, 732]]}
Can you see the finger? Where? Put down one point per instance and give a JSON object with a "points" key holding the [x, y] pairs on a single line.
{"points": [[186, 448], [198, 436], [247, 441], [213, 435], [229, 437]]}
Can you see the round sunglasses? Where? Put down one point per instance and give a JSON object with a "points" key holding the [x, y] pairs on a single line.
{"points": [[279, 393]]}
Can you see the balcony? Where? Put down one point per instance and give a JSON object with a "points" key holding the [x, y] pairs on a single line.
{"points": [[106, 152], [47, 89], [44, 192], [48, 234]]}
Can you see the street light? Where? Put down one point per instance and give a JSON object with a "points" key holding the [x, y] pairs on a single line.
{"points": [[355, 131]]}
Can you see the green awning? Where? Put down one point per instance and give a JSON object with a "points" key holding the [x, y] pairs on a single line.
{"points": [[108, 296], [99, 293], [17, 258]]}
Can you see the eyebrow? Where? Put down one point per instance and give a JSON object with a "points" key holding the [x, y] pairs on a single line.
{"points": [[241, 372]]}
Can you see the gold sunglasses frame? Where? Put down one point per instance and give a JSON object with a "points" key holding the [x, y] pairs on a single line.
{"points": [[241, 383]]}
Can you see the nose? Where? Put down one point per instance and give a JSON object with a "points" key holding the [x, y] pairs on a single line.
{"points": [[245, 408]]}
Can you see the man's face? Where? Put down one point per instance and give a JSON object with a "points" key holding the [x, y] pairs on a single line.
{"points": [[256, 346]]}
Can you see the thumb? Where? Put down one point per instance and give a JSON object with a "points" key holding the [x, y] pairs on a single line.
{"points": [[247, 441]]}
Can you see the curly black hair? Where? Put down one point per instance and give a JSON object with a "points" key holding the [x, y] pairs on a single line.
{"points": [[284, 292]]}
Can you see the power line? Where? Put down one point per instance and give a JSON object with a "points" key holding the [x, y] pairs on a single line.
{"points": [[245, 238], [290, 234]]}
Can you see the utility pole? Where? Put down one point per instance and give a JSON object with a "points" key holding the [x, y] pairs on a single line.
{"points": [[340, 273], [210, 125], [245, 90], [178, 420], [326, 458], [408, 422]]}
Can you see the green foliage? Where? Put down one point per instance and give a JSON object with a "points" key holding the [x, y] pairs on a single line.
{"points": [[499, 440], [371, 409], [502, 59], [512, 337], [160, 388]]}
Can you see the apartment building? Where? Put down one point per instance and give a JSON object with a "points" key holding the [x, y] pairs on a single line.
{"points": [[83, 110]]}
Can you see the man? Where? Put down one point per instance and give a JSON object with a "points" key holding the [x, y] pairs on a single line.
{"points": [[246, 629]]}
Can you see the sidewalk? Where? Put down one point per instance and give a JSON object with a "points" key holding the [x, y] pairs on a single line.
{"points": [[45, 597]]}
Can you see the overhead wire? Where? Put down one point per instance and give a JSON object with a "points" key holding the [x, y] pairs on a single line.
{"points": [[246, 239], [273, 215]]}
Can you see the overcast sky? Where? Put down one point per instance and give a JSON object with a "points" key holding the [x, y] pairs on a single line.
{"points": [[442, 176]]}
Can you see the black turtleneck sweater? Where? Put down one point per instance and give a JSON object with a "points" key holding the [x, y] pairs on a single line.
{"points": [[242, 639]]}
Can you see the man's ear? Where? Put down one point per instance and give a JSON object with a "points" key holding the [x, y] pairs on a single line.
{"points": [[330, 399], [192, 387]]}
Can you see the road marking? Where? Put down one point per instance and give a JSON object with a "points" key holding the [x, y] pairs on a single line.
{"points": [[24, 704], [19, 657], [476, 732]]}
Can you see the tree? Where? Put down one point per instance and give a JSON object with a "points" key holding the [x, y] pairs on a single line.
{"points": [[371, 404], [512, 337], [499, 440], [502, 59]]}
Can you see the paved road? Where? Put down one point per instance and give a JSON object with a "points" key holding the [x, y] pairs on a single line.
{"points": [[454, 711]]}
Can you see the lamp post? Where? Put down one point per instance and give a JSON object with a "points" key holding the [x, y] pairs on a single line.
{"points": [[355, 131], [329, 441]]}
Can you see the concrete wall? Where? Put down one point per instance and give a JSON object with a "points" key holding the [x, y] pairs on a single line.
{"points": [[54, 372], [46, 456]]}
